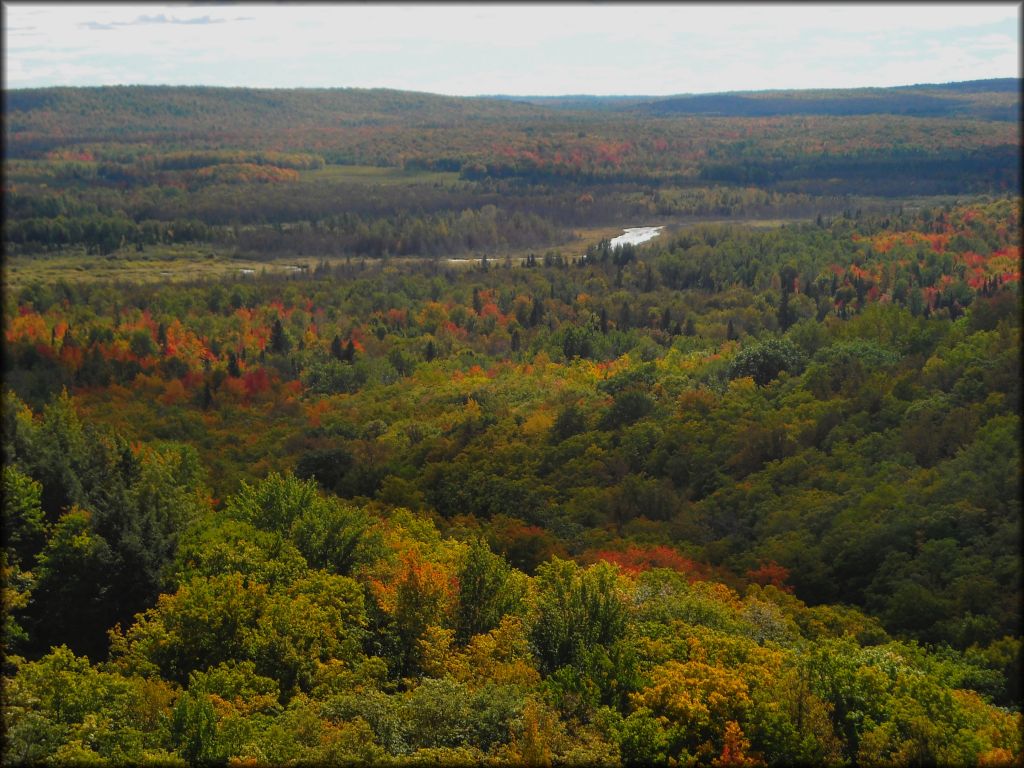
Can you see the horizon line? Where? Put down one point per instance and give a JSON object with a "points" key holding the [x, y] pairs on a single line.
{"points": [[508, 95]]}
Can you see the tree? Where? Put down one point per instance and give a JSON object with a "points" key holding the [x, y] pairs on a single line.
{"points": [[337, 351], [279, 343], [765, 360], [274, 503], [487, 591], [194, 729], [24, 526], [335, 536], [72, 579], [570, 421], [576, 611]]}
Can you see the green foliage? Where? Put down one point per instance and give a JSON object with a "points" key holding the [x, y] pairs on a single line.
{"points": [[273, 504], [765, 360], [576, 611], [284, 632], [488, 590], [24, 527], [194, 730]]}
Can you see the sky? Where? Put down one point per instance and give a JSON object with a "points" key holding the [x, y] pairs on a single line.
{"points": [[516, 49]]}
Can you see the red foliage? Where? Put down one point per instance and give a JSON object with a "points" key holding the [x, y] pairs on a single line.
{"points": [[636, 559], [397, 318], [771, 573], [256, 381]]}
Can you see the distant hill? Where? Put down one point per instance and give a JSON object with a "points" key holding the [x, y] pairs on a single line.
{"points": [[980, 99], [994, 85], [152, 106], [578, 101]]}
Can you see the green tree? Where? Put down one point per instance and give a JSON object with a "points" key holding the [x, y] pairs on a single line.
{"points": [[765, 360], [576, 610], [487, 591], [24, 526]]}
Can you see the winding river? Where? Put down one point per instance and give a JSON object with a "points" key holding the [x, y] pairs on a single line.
{"points": [[635, 236]]}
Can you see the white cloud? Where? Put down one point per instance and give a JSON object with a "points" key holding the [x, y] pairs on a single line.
{"points": [[469, 49]]}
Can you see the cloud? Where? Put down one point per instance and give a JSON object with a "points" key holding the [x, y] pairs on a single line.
{"points": [[145, 20], [525, 49], [163, 19]]}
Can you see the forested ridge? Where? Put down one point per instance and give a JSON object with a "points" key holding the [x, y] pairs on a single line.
{"points": [[742, 495]]}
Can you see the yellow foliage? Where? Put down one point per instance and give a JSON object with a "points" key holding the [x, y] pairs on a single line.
{"points": [[997, 758], [538, 424], [695, 695], [438, 658], [502, 655]]}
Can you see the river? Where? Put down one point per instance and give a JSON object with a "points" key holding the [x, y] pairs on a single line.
{"points": [[635, 236]]}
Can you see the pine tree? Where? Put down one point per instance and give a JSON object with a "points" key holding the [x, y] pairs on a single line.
{"points": [[625, 317], [207, 397], [278, 340], [536, 313]]}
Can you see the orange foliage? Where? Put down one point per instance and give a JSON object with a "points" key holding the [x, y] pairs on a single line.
{"points": [[636, 559], [174, 392], [315, 412], [30, 326], [71, 357], [734, 751], [234, 387]]}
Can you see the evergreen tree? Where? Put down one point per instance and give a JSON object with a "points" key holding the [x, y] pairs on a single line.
{"points": [[278, 340], [536, 313], [337, 351]]}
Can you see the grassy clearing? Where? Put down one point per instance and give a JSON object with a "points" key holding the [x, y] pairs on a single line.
{"points": [[183, 263], [163, 264]]}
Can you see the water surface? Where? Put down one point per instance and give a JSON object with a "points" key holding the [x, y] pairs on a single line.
{"points": [[635, 236]]}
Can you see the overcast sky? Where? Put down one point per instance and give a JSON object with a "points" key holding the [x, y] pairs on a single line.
{"points": [[527, 49]]}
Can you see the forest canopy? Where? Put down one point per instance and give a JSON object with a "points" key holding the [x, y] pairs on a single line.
{"points": [[337, 429]]}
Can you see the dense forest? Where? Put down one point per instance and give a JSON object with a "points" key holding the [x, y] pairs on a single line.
{"points": [[445, 477]]}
